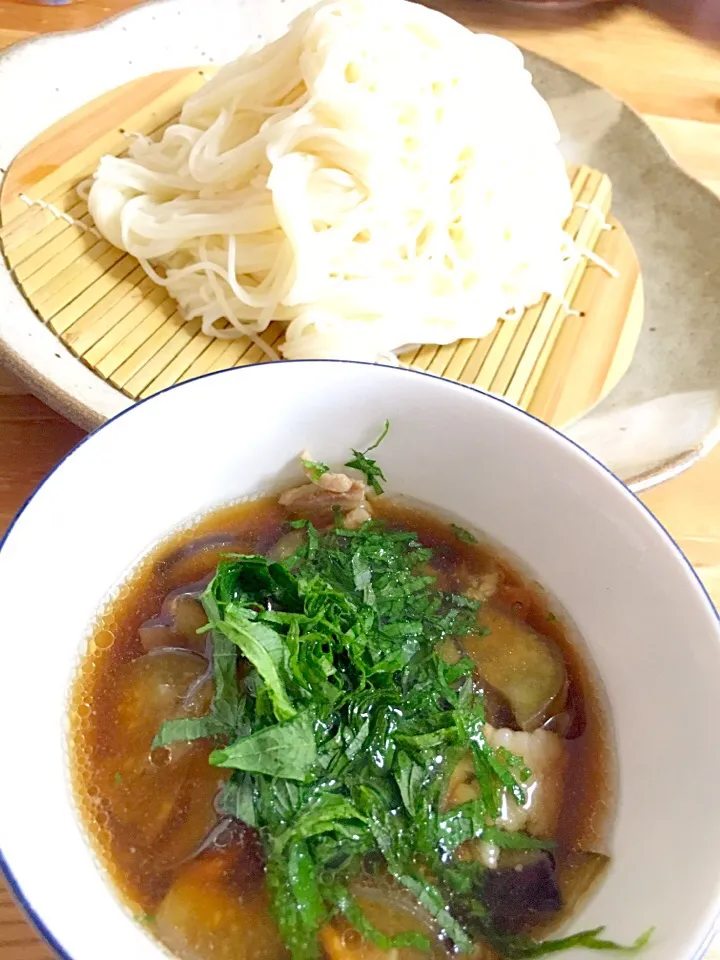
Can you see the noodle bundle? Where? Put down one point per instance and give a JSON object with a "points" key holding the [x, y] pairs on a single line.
{"points": [[379, 176]]}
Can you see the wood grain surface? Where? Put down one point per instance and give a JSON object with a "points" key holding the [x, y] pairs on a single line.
{"points": [[672, 79]]}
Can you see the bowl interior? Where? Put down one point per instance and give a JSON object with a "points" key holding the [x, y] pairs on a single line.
{"points": [[651, 630]]}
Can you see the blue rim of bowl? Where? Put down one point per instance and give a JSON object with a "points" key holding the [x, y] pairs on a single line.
{"points": [[14, 886]]}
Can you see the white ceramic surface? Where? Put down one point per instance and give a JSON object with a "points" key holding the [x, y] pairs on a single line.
{"points": [[652, 631], [665, 413]]}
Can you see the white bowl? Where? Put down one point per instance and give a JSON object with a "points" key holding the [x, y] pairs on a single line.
{"points": [[652, 632]]}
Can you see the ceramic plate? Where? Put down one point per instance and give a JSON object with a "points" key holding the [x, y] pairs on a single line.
{"points": [[664, 414]]}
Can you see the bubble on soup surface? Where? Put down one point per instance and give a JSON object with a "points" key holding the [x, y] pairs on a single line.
{"points": [[160, 757], [104, 836], [104, 639]]}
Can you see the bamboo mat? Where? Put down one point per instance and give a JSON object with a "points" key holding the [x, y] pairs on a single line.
{"points": [[557, 360]]}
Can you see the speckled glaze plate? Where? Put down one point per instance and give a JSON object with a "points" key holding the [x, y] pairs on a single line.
{"points": [[665, 413]]}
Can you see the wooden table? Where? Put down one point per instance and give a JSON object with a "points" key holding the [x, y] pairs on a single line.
{"points": [[670, 78]]}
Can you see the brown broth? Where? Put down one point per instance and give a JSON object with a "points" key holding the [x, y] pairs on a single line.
{"points": [[136, 857]]}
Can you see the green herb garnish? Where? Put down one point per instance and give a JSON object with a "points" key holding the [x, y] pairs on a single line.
{"points": [[521, 947], [284, 750], [344, 733], [462, 534], [314, 469], [361, 462], [188, 729]]}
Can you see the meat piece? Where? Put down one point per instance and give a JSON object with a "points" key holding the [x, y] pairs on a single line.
{"points": [[311, 497], [545, 755], [481, 587], [336, 482], [326, 494], [332, 482], [487, 853], [463, 785], [356, 517], [317, 501]]}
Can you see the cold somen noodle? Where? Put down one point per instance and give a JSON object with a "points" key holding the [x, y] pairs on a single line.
{"points": [[378, 176]]}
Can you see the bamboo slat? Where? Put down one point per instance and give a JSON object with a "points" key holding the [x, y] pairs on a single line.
{"points": [[557, 359]]}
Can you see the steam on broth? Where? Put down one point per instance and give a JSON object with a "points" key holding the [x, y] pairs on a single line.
{"points": [[329, 724]]}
